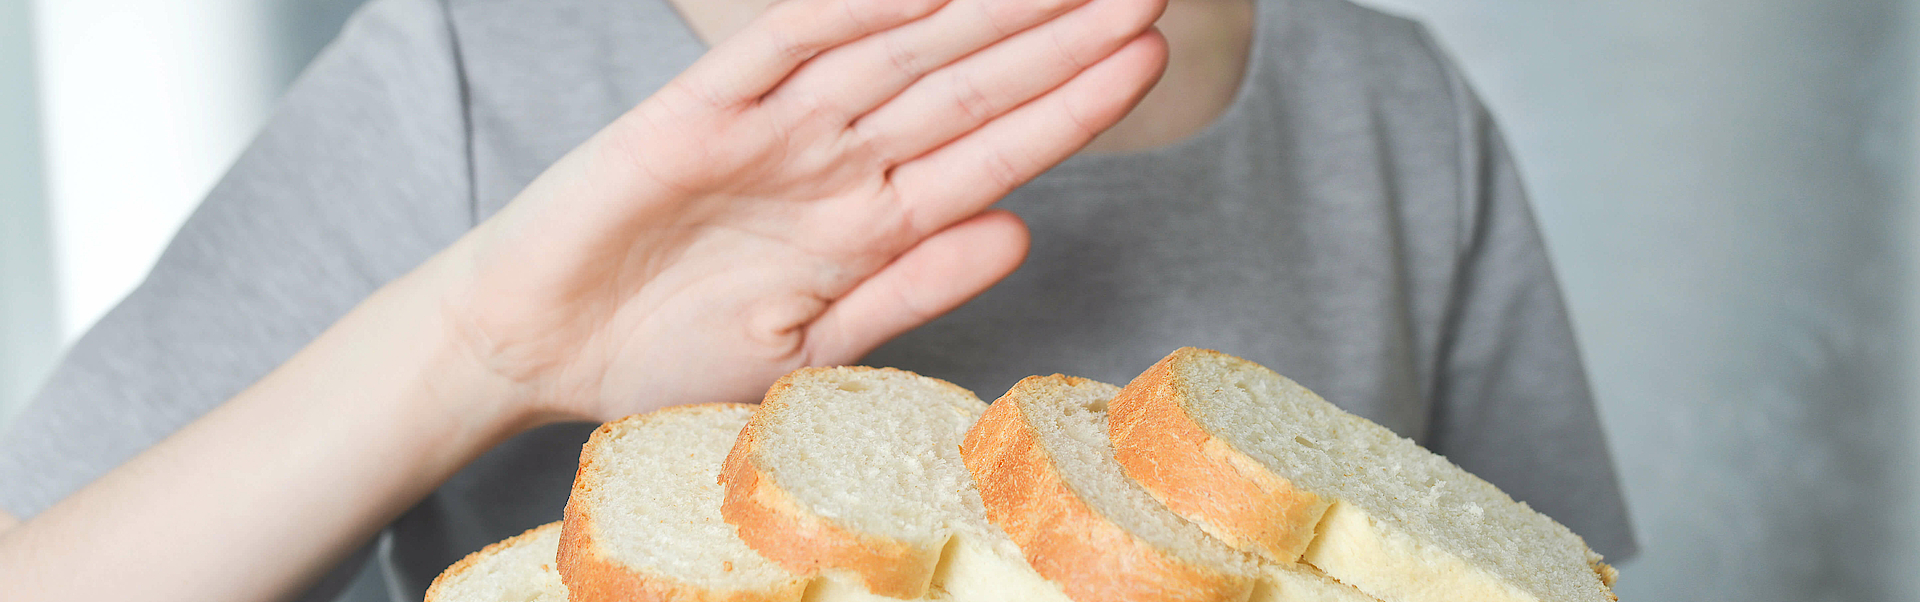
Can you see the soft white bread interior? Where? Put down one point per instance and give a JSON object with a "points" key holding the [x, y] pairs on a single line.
{"points": [[1302, 583], [1268, 466], [855, 474], [1043, 462], [519, 569], [643, 522], [1037, 457]]}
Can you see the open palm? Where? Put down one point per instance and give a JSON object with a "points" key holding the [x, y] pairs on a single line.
{"points": [[812, 187]]}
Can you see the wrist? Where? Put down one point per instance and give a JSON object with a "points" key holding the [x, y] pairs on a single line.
{"points": [[467, 382], [407, 340]]}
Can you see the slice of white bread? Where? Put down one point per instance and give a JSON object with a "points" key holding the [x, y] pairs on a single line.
{"points": [[1269, 467], [519, 569], [643, 522], [855, 474], [1043, 463]]}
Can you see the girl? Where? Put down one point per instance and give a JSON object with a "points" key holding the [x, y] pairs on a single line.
{"points": [[516, 215]]}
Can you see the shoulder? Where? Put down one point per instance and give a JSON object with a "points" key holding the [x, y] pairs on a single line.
{"points": [[540, 76], [567, 26], [1380, 85], [1392, 56], [418, 23]]}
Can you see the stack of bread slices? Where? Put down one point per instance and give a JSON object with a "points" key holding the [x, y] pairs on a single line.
{"points": [[1207, 479]]}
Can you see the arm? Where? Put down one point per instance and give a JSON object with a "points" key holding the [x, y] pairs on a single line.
{"points": [[759, 214], [272, 488]]}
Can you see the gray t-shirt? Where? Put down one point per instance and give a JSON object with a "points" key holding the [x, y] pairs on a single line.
{"points": [[1353, 221]]}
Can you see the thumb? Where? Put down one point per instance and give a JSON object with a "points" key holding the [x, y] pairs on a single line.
{"points": [[932, 278]]}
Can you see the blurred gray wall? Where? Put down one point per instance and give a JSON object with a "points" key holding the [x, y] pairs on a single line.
{"points": [[1725, 187], [29, 324]]}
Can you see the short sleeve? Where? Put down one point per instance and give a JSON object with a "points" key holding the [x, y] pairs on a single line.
{"points": [[1512, 402], [359, 175]]}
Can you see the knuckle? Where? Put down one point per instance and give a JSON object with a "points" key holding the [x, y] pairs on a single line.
{"points": [[1083, 126], [686, 95], [1001, 171], [972, 102], [808, 107], [912, 9], [901, 226], [1065, 49], [873, 15], [881, 14], [1054, 7], [785, 33], [904, 59], [1008, 16], [864, 142], [1005, 16], [912, 307], [779, 322], [1144, 13], [1012, 16], [789, 48]]}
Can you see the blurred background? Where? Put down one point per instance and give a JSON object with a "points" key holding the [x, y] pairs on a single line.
{"points": [[1729, 189]]}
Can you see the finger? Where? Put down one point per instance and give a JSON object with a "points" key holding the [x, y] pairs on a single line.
{"points": [[966, 175], [929, 280], [959, 98], [850, 80], [750, 63]]}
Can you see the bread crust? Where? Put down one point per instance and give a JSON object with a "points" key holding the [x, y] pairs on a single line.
{"points": [[1201, 477], [781, 529], [1065, 540], [592, 576], [445, 578], [1607, 574]]}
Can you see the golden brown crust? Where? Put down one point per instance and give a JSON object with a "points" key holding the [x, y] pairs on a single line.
{"points": [[1608, 575], [445, 579], [591, 576], [776, 525], [1202, 478], [1065, 540]]}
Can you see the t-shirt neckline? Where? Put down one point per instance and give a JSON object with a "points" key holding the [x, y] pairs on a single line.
{"points": [[1222, 124]]}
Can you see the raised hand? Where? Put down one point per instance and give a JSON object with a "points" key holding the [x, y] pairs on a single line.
{"points": [[815, 185]]}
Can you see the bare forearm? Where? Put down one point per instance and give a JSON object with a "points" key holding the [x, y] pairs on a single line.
{"points": [[263, 495]]}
